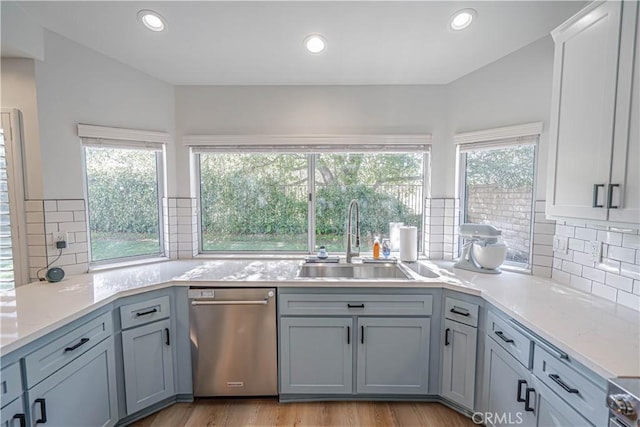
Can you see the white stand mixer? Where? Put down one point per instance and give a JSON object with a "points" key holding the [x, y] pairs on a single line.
{"points": [[482, 252]]}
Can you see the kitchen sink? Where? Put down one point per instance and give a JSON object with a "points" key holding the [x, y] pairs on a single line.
{"points": [[352, 271], [421, 269]]}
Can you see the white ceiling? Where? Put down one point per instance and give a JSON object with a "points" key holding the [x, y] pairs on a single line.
{"points": [[249, 43]]}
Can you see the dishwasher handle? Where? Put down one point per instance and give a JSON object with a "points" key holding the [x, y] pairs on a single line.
{"points": [[231, 302]]}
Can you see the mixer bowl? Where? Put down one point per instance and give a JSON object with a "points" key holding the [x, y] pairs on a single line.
{"points": [[489, 256]]}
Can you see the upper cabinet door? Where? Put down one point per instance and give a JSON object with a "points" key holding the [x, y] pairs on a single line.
{"points": [[582, 114], [625, 171]]}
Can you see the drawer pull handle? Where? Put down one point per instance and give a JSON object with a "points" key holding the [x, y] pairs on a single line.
{"points": [[348, 334], [446, 337], [610, 196], [596, 188], [168, 341], [361, 334], [82, 342], [519, 397], [556, 379], [144, 313], [501, 335], [22, 418], [527, 401], [43, 411], [355, 305], [460, 311]]}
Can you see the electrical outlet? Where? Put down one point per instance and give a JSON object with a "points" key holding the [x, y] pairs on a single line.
{"points": [[59, 236], [595, 249], [561, 244]]}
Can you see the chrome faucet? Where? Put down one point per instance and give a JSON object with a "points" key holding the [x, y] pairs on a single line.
{"points": [[350, 252]]}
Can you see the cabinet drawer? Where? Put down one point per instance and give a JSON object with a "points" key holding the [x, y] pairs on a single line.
{"points": [[572, 387], [510, 338], [10, 383], [53, 356], [461, 311], [354, 304], [145, 312]]}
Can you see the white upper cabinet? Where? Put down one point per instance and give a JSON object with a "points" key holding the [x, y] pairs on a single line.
{"points": [[594, 155]]}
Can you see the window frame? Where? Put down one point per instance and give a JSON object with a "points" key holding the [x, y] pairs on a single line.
{"points": [[127, 139], [11, 123], [495, 139], [241, 144]]}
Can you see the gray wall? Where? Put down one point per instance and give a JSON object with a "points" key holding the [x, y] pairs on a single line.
{"points": [[515, 89]]}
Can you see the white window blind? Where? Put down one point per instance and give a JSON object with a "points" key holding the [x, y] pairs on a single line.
{"points": [[7, 280]]}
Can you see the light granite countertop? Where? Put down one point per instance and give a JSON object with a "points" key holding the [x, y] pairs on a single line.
{"points": [[602, 335]]}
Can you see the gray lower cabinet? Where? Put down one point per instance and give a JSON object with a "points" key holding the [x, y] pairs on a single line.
{"points": [[316, 355], [552, 411], [148, 364], [507, 389], [393, 355], [12, 415], [82, 393], [459, 363]]}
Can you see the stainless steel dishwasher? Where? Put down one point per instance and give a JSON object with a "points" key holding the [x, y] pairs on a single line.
{"points": [[233, 341]]}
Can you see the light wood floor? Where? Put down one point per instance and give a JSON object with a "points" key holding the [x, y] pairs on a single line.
{"points": [[269, 412]]}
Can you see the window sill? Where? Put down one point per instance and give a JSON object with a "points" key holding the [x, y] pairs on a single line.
{"points": [[132, 263]]}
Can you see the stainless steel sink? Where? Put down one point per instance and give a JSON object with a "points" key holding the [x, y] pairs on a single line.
{"points": [[421, 269], [352, 271]]}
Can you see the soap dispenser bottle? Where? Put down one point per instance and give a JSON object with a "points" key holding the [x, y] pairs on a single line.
{"points": [[376, 248]]}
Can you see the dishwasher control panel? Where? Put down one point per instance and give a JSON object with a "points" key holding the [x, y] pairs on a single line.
{"points": [[201, 293]]}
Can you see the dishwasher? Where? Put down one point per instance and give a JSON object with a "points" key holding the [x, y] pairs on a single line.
{"points": [[233, 341]]}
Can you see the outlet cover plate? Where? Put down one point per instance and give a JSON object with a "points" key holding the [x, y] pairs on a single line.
{"points": [[561, 244], [595, 250]]}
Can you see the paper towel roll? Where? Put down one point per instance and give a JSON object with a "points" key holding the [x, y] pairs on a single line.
{"points": [[408, 244]]}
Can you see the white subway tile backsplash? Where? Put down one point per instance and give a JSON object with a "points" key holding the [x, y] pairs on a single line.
{"points": [[583, 259], [572, 268], [630, 270], [70, 205], [629, 300], [79, 216], [543, 261], [610, 237], [561, 276], [543, 239], [565, 230], [614, 277], [50, 206], [540, 271], [58, 216], [545, 229], [621, 254], [593, 274], [33, 206], [604, 291], [72, 226], [587, 234], [580, 283], [576, 244], [624, 283], [542, 250]]}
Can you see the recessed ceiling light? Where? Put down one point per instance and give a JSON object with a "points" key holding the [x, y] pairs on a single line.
{"points": [[315, 43], [152, 20], [462, 19]]}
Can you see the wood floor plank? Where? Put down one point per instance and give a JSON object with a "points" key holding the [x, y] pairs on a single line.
{"points": [[271, 413]]}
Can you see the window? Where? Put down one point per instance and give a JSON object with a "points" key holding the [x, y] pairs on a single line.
{"points": [[7, 279], [123, 198], [498, 183], [268, 199], [253, 202], [388, 187], [13, 268]]}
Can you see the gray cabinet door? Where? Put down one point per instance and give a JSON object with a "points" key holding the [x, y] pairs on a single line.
{"points": [[83, 393], [10, 414], [506, 381], [316, 355], [459, 363], [393, 355], [148, 365], [552, 411]]}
